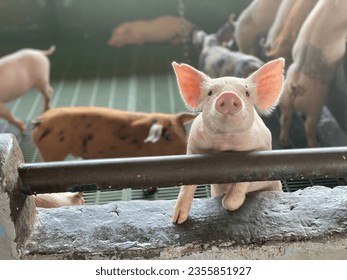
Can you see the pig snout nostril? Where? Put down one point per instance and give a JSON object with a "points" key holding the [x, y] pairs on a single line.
{"points": [[229, 104]]}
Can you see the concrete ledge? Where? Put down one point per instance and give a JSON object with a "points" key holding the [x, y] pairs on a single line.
{"points": [[307, 224]]}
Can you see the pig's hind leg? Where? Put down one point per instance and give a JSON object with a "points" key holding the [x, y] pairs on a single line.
{"points": [[7, 115], [287, 110], [310, 129], [47, 92], [285, 121]]}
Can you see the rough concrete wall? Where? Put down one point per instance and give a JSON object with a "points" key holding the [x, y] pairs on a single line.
{"points": [[17, 213], [327, 248], [7, 231], [307, 224]]}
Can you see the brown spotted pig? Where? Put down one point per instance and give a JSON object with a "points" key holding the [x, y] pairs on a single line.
{"points": [[317, 53], [19, 72], [97, 132]]}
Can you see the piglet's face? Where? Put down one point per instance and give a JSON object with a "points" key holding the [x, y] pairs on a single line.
{"points": [[227, 106], [228, 103]]}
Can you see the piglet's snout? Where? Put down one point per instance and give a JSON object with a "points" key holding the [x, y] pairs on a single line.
{"points": [[228, 103]]}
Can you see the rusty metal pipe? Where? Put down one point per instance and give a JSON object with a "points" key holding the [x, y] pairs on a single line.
{"points": [[224, 167]]}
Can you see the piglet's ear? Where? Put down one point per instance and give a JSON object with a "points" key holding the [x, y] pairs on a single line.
{"points": [[269, 83], [189, 80], [185, 118], [154, 133]]}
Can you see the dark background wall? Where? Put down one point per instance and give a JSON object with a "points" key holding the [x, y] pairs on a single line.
{"points": [[21, 20], [81, 28]]}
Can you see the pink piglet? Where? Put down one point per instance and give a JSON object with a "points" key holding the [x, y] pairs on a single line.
{"points": [[229, 121]]}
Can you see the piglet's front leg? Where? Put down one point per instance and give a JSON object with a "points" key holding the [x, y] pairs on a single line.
{"points": [[183, 204]]}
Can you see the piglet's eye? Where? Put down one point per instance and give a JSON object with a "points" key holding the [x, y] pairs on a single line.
{"points": [[209, 93], [247, 93]]}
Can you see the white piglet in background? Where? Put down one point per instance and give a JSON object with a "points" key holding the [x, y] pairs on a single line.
{"points": [[229, 121], [19, 72]]}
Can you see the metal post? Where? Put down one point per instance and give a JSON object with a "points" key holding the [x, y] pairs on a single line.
{"points": [[224, 167]]}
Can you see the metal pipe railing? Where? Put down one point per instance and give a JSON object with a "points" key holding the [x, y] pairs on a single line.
{"points": [[223, 167]]}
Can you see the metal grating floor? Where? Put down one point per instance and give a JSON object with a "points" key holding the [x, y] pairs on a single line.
{"points": [[84, 83], [165, 193]]}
